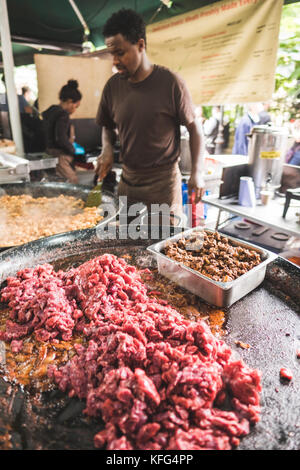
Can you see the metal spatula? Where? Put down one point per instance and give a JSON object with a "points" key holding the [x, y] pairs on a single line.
{"points": [[95, 195]]}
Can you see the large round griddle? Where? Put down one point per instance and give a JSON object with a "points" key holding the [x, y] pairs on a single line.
{"points": [[267, 319], [55, 189]]}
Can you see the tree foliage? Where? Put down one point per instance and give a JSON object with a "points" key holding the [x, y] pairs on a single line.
{"points": [[287, 77]]}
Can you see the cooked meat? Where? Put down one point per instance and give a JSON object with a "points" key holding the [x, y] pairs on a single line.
{"points": [[242, 345], [24, 218], [213, 255]]}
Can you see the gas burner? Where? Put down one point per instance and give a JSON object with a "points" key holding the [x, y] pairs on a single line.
{"points": [[242, 225], [280, 236]]}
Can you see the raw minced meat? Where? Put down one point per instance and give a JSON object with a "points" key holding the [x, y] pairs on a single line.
{"points": [[158, 381], [286, 374]]}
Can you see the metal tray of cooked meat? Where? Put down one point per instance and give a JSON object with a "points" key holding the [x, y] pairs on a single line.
{"points": [[221, 294], [109, 206]]}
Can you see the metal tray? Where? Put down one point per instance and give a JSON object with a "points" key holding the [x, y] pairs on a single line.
{"points": [[221, 294]]}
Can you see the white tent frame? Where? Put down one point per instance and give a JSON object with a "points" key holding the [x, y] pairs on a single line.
{"points": [[8, 64]]}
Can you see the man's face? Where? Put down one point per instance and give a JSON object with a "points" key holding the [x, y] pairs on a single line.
{"points": [[126, 56]]}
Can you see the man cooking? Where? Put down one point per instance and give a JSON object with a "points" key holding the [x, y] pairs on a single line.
{"points": [[146, 103]]}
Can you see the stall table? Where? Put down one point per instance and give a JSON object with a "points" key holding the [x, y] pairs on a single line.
{"points": [[268, 215]]}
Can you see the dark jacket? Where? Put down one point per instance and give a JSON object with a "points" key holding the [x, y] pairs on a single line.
{"points": [[57, 126], [240, 146]]}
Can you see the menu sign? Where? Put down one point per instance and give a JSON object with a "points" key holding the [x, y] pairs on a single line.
{"points": [[226, 52]]}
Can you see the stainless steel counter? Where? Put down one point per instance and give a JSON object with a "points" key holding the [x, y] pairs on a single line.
{"points": [[269, 215], [41, 161]]}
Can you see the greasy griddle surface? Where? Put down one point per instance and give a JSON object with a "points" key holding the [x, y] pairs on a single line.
{"points": [[273, 331], [266, 319], [51, 420]]}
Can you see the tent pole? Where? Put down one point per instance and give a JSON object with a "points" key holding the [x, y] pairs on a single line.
{"points": [[8, 64]]}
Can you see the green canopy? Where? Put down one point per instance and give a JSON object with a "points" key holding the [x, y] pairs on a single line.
{"points": [[52, 26]]}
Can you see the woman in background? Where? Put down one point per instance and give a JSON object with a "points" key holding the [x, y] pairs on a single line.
{"points": [[244, 127], [293, 155], [58, 130]]}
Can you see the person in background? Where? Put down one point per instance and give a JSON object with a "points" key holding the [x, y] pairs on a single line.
{"points": [[147, 103], [249, 119], [211, 127], [226, 133], [24, 106], [199, 114], [26, 92], [264, 116], [293, 155], [58, 132], [32, 132], [36, 104], [28, 95]]}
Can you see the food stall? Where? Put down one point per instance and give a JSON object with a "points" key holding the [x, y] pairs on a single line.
{"points": [[251, 322], [138, 342]]}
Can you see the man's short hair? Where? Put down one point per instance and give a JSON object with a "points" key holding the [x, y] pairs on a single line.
{"points": [[25, 89], [128, 23]]}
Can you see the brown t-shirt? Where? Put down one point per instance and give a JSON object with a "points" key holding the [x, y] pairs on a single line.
{"points": [[148, 115]]}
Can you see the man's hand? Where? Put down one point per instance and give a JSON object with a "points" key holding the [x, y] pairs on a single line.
{"points": [[196, 184], [104, 164]]}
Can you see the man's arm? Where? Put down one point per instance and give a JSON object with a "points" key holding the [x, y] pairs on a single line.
{"points": [[106, 158], [197, 148]]}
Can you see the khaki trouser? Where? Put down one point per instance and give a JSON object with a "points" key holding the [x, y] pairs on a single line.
{"points": [[161, 185], [65, 167]]}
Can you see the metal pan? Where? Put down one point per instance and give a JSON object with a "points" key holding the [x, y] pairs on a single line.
{"points": [[79, 244], [221, 294], [264, 319], [55, 189]]}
